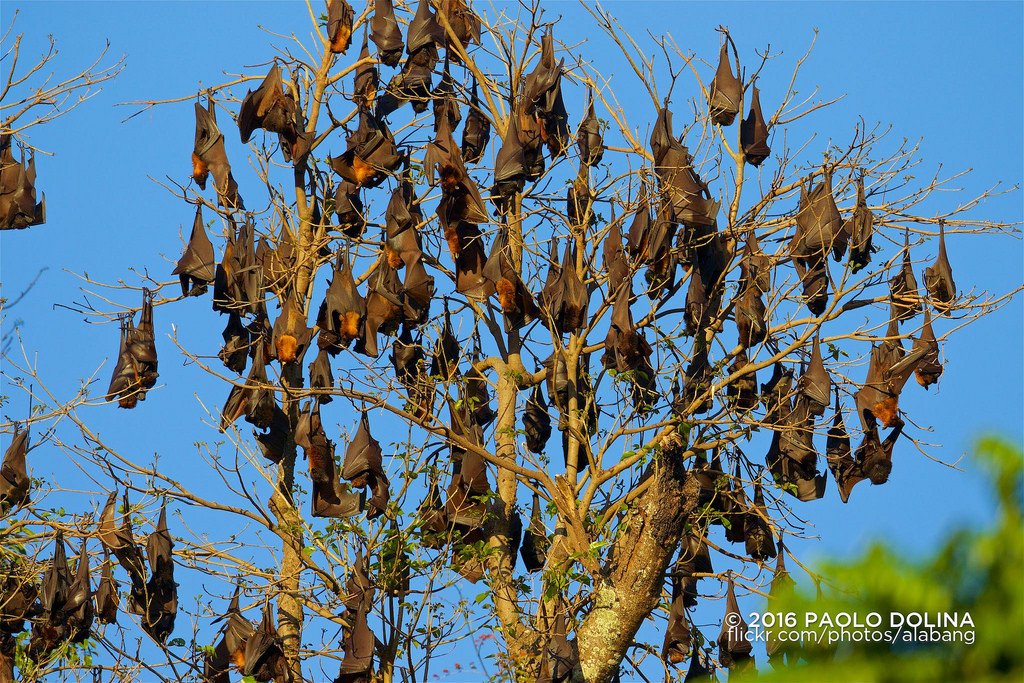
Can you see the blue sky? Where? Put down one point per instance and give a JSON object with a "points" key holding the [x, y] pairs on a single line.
{"points": [[946, 73]]}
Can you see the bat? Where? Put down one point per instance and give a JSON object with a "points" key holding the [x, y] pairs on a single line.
{"points": [[107, 599], [938, 277], [845, 469], [754, 132], [625, 348], [278, 263], [736, 509], [462, 506], [535, 545], [446, 105], [121, 541], [14, 480], [209, 156], [725, 91], [320, 375], [733, 646], [677, 634], [579, 201], [561, 656], [274, 109], [434, 520], [755, 266], [639, 229], [363, 468], [339, 26], [446, 352], [477, 396], [460, 196], [815, 384], [860, 227], [531, 135], [889, 368], [696, 382], [760, 543], [536, 422], [517, 305], [906, 302], [509, 168], [424, 30], [818, 220], [357, 645], [542, 97], [161, 597], [348, 207], [750, 315], [254, 399], [407, 358], [614, 256], [330, 497], [464, 425], [386, 34], [235, 351], [230, 649], [929, 369], [688, 199], [51, 627], [588, 135], [476, 133], [411, 84], [813, 275], [264, 654], [136, 369], [343, 312], [693, 559], [196, 267], [568, 302], [384, 308], [697, 671], [18, 206], [371, 153], [874, 457], [743, 390], [358, 589], [238, 281], [464, 23], [395, 571], [697, 310], [291, 334], [782, 586], [78, 610]]}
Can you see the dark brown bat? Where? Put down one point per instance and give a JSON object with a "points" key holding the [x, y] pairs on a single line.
{"points": [[579, 201], [813, 275], [693, 559], [136, 368], [18, 206], [733, 646], [929, 369], [235, 351], [320, 375], [331, 498], [725, 91], [357, 645], [359, 591], [120, 540], [274, 109], [238, 281], [686, 195], [464, 23], [677, 634], [446, 352], [509, 168], [517, 305], [750, 314], [446, 104], [755, 266], [759, 539], [291, 333], [339, 25], [560, 655], [386, 34], [51, 627], [696, 382], [614, 256], [845, 470], [889, 369], [363, 468], [536, 421], [476, 133], [860, 227], [107, 599], [742, 391], [737, 509], [588, 135], [779, 651], [906, 300], [407, 358], [463, 507], [254, 399], [625, 347], [461, 200], [197, 265], [534, 548], [159, 605], [568, 302], [343, 311], [78, 609], [477, 395], [14, 480], [874, 457], [697, 310], [264, 653], [697, 673], [348, 206], [371, 153], [230, 649], [411, 84], [434, 521], [818, 220], [384, 308], [424, 30], [464, 426], [639, 229], [754, 132], [815, 385], [938, 277], [209, 156]]}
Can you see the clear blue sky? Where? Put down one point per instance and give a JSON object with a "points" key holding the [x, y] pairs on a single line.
{"points": [[948, 73]]}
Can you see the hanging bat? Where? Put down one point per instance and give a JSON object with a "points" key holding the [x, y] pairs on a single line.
{"points": [[446, 352], [677, 634], [463, 507], [477, 131], [813, 275], [159, 605], [536, 422], [348, 207], [614, 256], [464, 426], [686, 195], [568, 302], [235, 351], [906, 301], [588, 135], [320, 376], [697, 671], [780, 652], [107, 599], [291, 334], [625, 348], [121, 541], [18, 206], [264, 653], [818, 220], [750, 314], [359, 591], [386, 34], [238, 281], [693, 559], [357, 645], [230, 649], [470, 262], [874, 457], [407, 358], [535, 544], [845, 470], [696, 312], [696, 381], [136, 368], [370, 155], [639, 229], [760, 543], [754, 132], [274, 441], [339, 26], [929, 369], [363, 468], [579, 201], [755, 266], [561, 656], [860, 227], [815, 384], [343, 311], [461, 200], [384, 308], [446, 105], [477, 395], [330, 497], [197, 266], [254, 399], [509, 168], [465, 24], [434, 521], [733, 646], [938, 277], [517, 305], [725, 91], [274, 109], [424, 30], [793, 460], [742, 391], [889, 368], [411, 84], [209, 156], [14, 480], [51, 628], [78, 610], [737, 509]]}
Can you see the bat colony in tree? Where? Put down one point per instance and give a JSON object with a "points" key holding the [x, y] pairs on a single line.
{"points": [[693, 295]]}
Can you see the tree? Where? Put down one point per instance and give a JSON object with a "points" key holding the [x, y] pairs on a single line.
{"points": [[721, 276]]}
